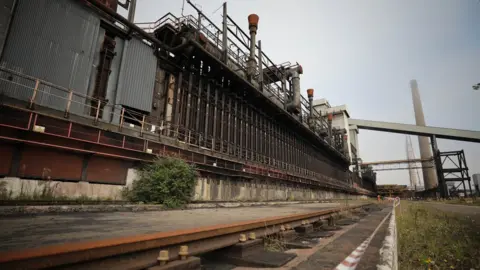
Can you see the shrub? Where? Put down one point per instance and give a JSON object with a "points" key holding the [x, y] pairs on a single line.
{"points": [[169, 181]]}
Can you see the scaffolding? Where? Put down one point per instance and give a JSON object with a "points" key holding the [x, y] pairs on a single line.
{"points": [[454, 170]]}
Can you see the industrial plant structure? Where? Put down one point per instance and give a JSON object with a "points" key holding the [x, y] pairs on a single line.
{"points": [[87, 95]]}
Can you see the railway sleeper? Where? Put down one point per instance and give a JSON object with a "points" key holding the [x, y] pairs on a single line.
{"points": [[251, 253]]}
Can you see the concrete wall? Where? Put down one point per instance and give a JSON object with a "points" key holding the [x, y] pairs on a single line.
{"points": [[256, 190], [17, 187], [206, 189]]}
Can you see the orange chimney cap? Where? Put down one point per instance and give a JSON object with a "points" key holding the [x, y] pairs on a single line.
{"points": [[253, 20], [310, 92]]}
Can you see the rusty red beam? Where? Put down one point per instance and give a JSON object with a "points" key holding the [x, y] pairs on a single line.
{"points": [[265, 171]]}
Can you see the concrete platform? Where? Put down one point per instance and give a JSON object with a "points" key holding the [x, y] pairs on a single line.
{"points": [[34, 231], [336, 251]]}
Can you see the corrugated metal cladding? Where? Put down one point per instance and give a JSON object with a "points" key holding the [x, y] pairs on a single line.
{"points": [[53, 40], [6, 9], [137, 78]]}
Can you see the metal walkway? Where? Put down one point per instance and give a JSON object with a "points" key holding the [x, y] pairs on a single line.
{"points": [[438, 132]]}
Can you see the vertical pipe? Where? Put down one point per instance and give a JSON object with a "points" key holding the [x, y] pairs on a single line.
{"points": [[34, 94], [252, 128], [176, 103], [142, 125], [229, 124], [95, 121], [247, 132], [262, 141], [295, 105], [189, 97], [224, 34], [242, 131], [222, 120], [265, 138], [197, 116], [235, 144], [69, 103], [121, 119], [276, 144], [270, 145], [131, 10], [260, 65], [214, 132], [256, 136], [207, 116], [253, 26], [330, 135]]}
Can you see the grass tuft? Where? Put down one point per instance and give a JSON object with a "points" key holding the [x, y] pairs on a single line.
{"points": [[432, 239]]}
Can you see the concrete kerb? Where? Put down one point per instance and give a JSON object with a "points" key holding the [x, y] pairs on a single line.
{"points": [[48, 209], [389, 250]]}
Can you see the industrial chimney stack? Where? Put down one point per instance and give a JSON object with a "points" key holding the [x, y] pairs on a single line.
{"points": [[429, 175]]}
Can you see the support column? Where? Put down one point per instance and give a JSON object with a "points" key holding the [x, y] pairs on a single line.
{"points": [[442, 187]]}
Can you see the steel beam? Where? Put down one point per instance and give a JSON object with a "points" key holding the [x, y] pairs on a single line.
{"points": [[438, 132]]}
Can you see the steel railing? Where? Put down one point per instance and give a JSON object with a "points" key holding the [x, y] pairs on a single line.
{"points": [[39, 92]]}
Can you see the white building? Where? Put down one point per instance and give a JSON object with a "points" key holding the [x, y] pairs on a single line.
{"points": [[340, 121]]}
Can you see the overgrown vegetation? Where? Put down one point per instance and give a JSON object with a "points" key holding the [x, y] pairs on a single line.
{"points": [[469, 201], [274, 242], [169, 181], [45, 192], [432, 239]]}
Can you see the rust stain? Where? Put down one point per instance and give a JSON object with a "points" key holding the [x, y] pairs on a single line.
{"points": [[166, 238]]}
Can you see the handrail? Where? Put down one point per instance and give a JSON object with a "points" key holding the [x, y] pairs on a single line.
{"points": [[167, 128]]}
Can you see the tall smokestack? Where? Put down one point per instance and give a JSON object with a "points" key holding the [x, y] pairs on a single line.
{"points": [[429, 175]]}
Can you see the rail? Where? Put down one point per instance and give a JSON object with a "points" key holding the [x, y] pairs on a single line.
{"points": [[199, 240], [38, 92]]}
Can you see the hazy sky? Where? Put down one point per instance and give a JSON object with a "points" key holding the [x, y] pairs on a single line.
{"points": [[364, 53]]}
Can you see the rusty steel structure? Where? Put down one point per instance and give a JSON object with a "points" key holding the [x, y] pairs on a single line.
{"points": [[144, 249], [185, 87]]}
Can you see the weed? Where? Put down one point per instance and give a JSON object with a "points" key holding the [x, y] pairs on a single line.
{"points": [[431, 239], [5, 194], [275, 242]]}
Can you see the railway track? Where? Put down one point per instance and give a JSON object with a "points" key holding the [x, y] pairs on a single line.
{"points": [[142, 251]]}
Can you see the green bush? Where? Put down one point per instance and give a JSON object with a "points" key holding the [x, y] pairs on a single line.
{"points": [[169, 181]]}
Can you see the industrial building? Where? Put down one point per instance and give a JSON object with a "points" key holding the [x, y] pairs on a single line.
{"points": [[98, 95]]}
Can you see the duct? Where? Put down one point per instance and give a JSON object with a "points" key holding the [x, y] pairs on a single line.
{"points": [[113, 79], [131, 10], [295, 106], [119, 85], [311, 121], [330, 131], [253, 26]]}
